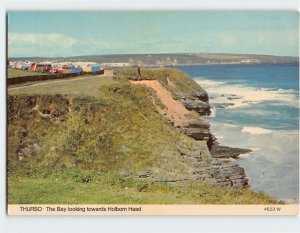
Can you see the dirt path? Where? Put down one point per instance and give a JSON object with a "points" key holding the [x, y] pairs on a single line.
{"points": [[175, 111]]}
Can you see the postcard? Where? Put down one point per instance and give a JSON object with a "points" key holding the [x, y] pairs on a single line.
{"points": [[152, 113]]}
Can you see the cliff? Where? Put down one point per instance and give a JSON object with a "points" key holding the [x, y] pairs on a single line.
{"points": [[156, 135], [213, 164]]}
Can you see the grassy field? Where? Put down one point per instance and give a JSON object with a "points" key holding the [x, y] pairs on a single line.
{"points": [[75, 187], [88, 85], [12, 73]]}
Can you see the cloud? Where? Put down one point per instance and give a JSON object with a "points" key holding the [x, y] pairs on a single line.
{"points": [[38, 44], [58, 45], [255, 41], [36, 38]]}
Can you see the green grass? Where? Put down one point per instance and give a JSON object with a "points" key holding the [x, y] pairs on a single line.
{"points": [[181, 82], [72, 187], [105, 132], [87, 86], [12, 73]]}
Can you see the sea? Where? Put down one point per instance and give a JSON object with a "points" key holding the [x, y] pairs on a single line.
{"points": [[263, 115]]}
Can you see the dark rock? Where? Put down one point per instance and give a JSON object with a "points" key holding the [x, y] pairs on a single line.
{"points": [[197, 105], [203, 96], [233, 98], [212, 167], [227, 152], [197, 102], [222, 105], [199, 130]]}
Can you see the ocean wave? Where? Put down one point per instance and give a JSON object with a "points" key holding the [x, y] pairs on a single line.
{"points": [[254, 149], [212, 112], [223, 92], [244, 155], [205, 83], [256, 130], [230, 125], [283, 91]]}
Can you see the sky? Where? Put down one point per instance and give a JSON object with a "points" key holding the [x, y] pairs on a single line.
{"points": [[53, 34]]}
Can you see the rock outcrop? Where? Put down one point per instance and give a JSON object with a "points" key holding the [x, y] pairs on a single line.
{"points": [[218, 151], [220, 172], [222, 105], [197, 102], [215, 165], [199, 130]]}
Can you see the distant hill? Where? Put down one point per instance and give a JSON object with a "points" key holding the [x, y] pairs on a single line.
{"points": [[174, 59]]}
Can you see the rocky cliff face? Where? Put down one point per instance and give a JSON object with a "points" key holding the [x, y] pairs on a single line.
{"points": [[214, 166], [218, 171], [197, 102]]}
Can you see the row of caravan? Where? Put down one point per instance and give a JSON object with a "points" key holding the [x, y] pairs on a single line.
{"points": [[90, 68], [50, 67]]}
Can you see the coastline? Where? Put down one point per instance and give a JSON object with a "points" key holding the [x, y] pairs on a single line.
{"points": [[139, 142], [265, 123], [218, 165]]}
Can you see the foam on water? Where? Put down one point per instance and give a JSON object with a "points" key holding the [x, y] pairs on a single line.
{"points": [[230, 125], [264, 117], [256, 130], [272, 166], [206, 83], [242, 95]]}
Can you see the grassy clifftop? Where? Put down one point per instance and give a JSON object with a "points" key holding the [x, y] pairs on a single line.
{"points": [[180, 81], [119, 130], [91, 148]]}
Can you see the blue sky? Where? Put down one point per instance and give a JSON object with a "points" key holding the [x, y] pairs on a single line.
{"points": [[64, 34]]}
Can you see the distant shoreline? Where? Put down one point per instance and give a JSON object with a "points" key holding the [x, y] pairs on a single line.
{"points": [[203, 64], [173, 59]]}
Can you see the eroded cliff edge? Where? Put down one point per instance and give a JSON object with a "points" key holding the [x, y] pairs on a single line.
{"points": [[215, 165], [123, 128]]}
